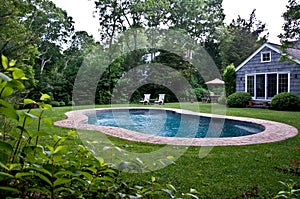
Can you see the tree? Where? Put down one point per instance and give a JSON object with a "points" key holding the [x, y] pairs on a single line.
{"points": [[200, 19], [229, 77], [291, 24], [241, 38], [16, 41]]}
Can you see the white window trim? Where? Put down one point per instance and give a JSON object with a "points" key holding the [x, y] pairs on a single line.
{"points": [[265, 52], [255, 74]]}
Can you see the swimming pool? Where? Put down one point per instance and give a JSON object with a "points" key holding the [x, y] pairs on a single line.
{"points": [[273, 131], [167, 123]]}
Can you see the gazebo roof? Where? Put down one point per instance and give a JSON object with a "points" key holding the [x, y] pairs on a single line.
{"points": [[216, 81]]}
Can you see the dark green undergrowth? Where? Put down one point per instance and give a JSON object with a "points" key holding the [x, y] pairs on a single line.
{"points": [[227, 171]]}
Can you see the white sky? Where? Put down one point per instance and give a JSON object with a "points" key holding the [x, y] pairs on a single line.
{"points": [[267, 11]]}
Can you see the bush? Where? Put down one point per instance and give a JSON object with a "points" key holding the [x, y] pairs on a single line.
{"points": [[239, 99], [199, 92], [55, 103], [62, 103], [286, 101], [71, 103]]}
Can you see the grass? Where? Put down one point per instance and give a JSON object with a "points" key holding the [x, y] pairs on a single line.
{"points": [[227, 171]]}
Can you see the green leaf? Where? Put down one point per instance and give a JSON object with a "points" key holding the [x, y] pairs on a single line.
{"points": [[16, 84], [23, 174], [8, 110], [48, 121], [5, 77], [18, 74], [152, 179], [44, 106], [72, 134], [45, 97], [44, 178], [6, 92], [56, 138], [169, 186], [92, 169], [87, 175], [6, 174], [6, 147], [40, 169], [10, 189], [63, 173], [4, 166], [4, 62], [28, 101], [12, 63], [60, 181], [14, 166], [60, 148]]}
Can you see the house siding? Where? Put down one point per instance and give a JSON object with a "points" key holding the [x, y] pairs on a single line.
{"points": [[254, 66]]}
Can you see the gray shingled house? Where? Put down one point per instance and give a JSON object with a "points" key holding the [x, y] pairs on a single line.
{"points": [[263, 76]]}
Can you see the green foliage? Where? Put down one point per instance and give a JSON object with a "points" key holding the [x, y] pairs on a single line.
{"points": [[55, 103], [291, 23], [199, 92], [239, 99], [240, 39], [229, 78], [62, 103], [291, 191], [71, 103], [56, 169], [285, 101]]}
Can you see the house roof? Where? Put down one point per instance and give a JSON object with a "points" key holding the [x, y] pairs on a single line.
{"points": [[293, 52]]}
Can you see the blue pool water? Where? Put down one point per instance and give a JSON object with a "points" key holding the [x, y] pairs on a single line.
{"points": [[172, 124]]}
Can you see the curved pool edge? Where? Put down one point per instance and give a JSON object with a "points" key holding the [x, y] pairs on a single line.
{"points": [[274, 131]]}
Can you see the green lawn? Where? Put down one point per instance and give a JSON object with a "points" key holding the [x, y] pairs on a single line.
{"points": [[226, 172]]}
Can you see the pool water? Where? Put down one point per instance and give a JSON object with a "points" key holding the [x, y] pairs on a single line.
{"points": [[172, 124]]}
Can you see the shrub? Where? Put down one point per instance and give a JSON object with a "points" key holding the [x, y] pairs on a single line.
{"points": [[55, 103], [285, 101], [71, 103], [199, 92], [229, 77], [239, 99], [62, 103]]}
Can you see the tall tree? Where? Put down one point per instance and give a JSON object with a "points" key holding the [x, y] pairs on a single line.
{"points": [[241, 38], [291, 24]]}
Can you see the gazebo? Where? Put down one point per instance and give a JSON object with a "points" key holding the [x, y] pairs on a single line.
{"points": [[215, 82]]}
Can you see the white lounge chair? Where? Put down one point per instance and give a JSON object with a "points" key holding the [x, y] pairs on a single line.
{"points": [[146, 99], [161, 99]]}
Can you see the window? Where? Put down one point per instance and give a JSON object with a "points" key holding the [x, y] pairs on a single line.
{"points": [[271, 85], [260, 86], [250, 85], [265, 56], [283, 83], [266, 85]]}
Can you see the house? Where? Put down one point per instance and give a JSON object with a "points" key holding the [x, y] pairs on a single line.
{"points": [[263, 76]]}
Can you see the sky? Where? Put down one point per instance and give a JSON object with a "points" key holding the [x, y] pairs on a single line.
{"points": [[268, 11]]}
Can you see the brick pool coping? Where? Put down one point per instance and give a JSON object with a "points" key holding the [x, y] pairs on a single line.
{"points": [[274, 131]]}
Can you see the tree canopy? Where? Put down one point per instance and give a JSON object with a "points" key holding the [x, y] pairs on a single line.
{"points": [[291, 24], [241, 38]]}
